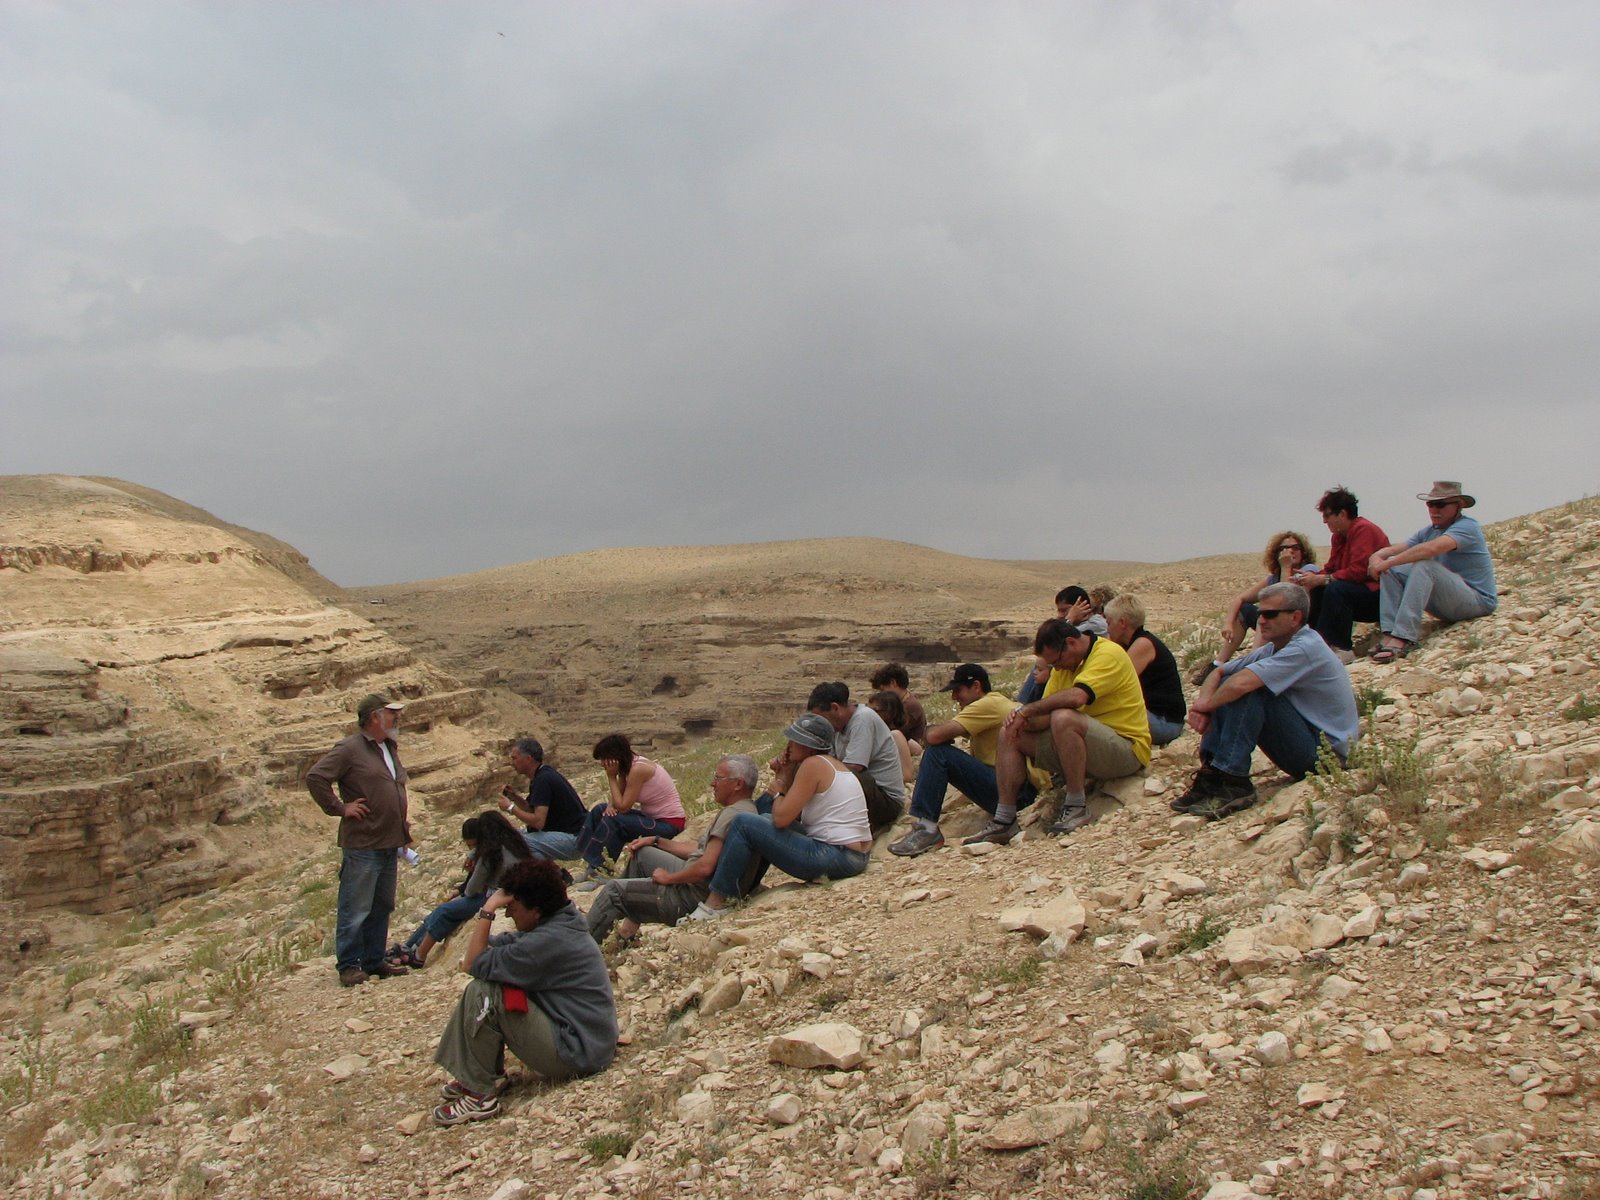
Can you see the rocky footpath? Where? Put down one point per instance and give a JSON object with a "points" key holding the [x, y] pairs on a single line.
{"points": [[1382, 983], [166, 680]]}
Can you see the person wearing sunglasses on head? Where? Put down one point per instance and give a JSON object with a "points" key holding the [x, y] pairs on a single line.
{"points": [[1289, 696], [1444, 569]]}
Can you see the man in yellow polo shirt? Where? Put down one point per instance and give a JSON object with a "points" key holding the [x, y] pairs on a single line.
{"points": [[1090, 722]]}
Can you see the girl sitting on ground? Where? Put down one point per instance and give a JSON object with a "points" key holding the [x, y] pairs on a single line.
{"points": [[890, 707], [494, 847], [644, 803]]}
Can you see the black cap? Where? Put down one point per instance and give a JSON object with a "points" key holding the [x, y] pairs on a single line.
{"points": [[968, 673]]}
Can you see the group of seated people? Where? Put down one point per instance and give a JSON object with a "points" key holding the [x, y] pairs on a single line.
{"points": [[1104, 692]]}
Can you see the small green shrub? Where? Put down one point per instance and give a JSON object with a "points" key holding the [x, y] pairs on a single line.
{"points": [[1208, 930], [1370, 698], [120, 1100], [602, 1147], [154, 1034], [1582, 708]]}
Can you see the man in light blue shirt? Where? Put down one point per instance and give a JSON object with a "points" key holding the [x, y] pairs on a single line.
{"points": [[1443, 569], [1288, 696]]}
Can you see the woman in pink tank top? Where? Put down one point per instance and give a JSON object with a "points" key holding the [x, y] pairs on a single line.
{"points": [[644, 802]]}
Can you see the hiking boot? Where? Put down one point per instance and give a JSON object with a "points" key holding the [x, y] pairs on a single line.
{"points": [[918, 841], [998, 832], [466, 1107], [1070, 819], [1231, 799], [351, 976], [1199, 792], [591, 879], [1200, 673], [1214, 795], [387, 970]]}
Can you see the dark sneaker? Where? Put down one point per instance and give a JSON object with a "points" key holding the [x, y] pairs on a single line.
{"points": [[998, 832], [351, 976], [1202, 671], [1231, 798], [466, 1107], [1200, 791], [1070, 819], [388, 970], [918, 841]]}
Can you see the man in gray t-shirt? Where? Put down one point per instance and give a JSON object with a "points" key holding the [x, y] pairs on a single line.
{"points": [[864, 744], [1443, 568], [1290, 697]]}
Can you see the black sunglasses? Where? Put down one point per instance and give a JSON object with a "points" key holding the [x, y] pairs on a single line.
{"points": [[1263, 614], [1442, 503]]}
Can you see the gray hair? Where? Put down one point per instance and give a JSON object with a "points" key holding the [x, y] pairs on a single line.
{"points": [[1294, 597], [530, 747], [743, 768]]}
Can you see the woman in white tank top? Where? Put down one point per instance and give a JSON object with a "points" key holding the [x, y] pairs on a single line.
{"points": [[818, 826]]}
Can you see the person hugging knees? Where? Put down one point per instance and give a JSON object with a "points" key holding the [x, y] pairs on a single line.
{"points": [[541, 991]]}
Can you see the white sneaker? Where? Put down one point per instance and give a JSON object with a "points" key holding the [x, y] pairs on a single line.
{"points": [[702, 912]]}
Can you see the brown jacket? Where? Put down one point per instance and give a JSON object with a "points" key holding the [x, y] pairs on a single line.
{"points": [[356, 765]]}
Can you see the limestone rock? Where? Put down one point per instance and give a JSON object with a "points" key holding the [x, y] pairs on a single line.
{"points": [[1038, 1126], [1062, 917], [834, 1045], [1252, 950], [1273, 1049], [512, 1189], [723, 993], [345, 1066], [1365, 923], [696, 1108], [783, 1109]]}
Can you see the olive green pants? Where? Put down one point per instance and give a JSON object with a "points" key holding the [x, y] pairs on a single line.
{"points": [[474, 1044]]}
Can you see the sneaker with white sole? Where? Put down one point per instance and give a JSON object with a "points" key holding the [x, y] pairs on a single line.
{"points": [[454, 1090], [591, 879], [701, 912], [466, 1107], [1000, 833], [918, 841]]}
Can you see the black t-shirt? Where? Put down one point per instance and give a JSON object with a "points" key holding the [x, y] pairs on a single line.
{"points": [[1160, 682], [549, 789]]}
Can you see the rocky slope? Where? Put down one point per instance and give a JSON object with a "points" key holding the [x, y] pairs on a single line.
{"points": [[1384, 984], [165, 677]]}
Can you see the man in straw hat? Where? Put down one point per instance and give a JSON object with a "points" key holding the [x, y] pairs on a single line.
{"points": [[1443, 569]]}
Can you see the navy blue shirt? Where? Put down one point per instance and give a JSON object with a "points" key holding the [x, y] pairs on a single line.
{"points": [[549, 789]]}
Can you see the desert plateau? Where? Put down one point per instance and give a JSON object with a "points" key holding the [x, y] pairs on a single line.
{"points": [[1380, 982]]}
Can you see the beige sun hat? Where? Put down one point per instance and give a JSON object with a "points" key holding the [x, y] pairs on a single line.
{"points": [[1448, 489]]}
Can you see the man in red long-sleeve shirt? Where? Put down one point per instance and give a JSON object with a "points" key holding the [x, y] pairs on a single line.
{"points": [[1349, 594]]}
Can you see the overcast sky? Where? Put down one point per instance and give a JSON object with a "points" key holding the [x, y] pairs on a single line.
{"points": [[426, 288]]}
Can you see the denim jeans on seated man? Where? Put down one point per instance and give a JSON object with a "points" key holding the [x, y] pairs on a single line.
{"points": [[1163, 730], [1261, 719], [788, 849], [366, 898], [1411, 589], [946, 764], [1343, 604], [551, 843]]}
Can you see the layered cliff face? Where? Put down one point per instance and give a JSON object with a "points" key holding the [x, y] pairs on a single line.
{"points": [[164, 677]]}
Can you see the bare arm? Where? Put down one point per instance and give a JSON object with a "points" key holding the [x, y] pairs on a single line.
{"points": [[945, 732], [1399, 554], [481, 928], [813, 776], [623, 797]]}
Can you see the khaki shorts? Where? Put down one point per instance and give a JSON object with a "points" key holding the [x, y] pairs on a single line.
{"points": [[1110, 754]]}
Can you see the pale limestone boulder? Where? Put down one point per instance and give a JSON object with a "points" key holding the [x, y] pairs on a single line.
{"points": [[1180, 883], [1326, 931], [821, 966], [696, 1108], [927, 1127], [1377, 1041], [783, 1109], [1273, 1049], [345, 1066], [1063, 917], [834, 1045], [512, 1189], [1365, 923], [1229, 1189], [1251, 951], [724, 993], [1580, 841], [1038, 1126]]}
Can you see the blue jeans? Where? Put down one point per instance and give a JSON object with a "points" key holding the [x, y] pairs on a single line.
{"points": [[945, 764], [366, 898], [447, 918], [1259, 718], [1162, 731], [1029, 690], [787, 849], [1343, 604], [551, 843], [1411, 589], [604, 834]]}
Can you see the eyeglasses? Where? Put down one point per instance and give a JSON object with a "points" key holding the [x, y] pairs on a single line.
{"points": [[1442, 503], [1288, 546], [1263, 614]]}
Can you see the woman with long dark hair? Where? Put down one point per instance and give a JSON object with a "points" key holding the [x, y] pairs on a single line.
{"points": [[494, 847], [644, 803]]}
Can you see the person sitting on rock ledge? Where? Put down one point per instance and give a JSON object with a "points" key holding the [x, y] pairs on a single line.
{"points": [[980, 715], [1348, 592], [888, 706], [1090, 721], [1288, 555], [1443, 569], [1289, 696], [1159, 678], [644, 802], [665, 879], [552, 812], [818, 826], [892, 677], [863, 743], [542, 992]]}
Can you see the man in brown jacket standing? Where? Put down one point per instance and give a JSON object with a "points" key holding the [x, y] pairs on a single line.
{"points": [[371, 807]]}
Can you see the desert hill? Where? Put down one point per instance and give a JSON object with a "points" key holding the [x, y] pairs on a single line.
{"points": [[671, 643], [165, 677], [1383, 984]]}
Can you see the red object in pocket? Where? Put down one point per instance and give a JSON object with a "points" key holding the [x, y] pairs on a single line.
{"points": [[516, 999]]}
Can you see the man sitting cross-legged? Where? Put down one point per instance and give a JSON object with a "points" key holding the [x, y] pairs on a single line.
{"points": [[666, 879], [981, 714], [1286, 696], [1090, 722]]}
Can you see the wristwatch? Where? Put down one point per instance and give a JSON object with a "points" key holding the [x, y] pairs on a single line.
{"points": [[485, 915]]}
